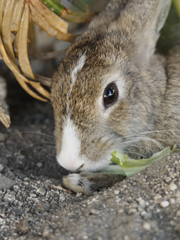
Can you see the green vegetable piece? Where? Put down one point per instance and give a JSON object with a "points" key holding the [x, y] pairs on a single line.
{"points": [[132, 166]]}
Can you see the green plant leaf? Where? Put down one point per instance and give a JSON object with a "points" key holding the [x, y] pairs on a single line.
{"points": [[177, 6], [130, 167]]}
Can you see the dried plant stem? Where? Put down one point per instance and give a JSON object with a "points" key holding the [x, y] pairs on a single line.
{"points": [[49, 16], [41, 22], [7, 51], [4, 118], [23, 53], [21, 79], [17, 13], [6, 30], [2, 3], [76, 17]]}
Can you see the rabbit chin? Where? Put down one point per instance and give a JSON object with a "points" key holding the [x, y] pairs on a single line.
{"points": [[94, 166]]}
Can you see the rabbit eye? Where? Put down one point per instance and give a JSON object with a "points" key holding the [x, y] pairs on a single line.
{"points": [[110, 95]]}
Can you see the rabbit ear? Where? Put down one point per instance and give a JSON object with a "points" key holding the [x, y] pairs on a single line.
{"points": [[143, 20], [158, 14]]}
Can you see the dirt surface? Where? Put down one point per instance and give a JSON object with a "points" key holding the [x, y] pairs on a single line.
{"points": [[34, 205]]}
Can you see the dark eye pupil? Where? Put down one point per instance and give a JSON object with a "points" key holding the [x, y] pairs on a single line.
{"points": [[110, 95]]}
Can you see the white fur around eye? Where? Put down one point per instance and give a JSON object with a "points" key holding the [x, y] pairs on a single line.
{"points": [[120, 82]]}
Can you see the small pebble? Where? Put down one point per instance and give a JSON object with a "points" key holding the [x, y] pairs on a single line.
{"points": [[33, 195], [142, 203], [143, 213], [2, 221], [146, 226], [120, 211], [23, 226], [132, 210], [178, 213], [168, 179], [172, 186], [116, 192], [9, 197], [118, 200], [39, 164], [94, 211], [16, 188], [41, 191], [173, 223], [164, 203], [172, 201], [39, 207], [177, 194], [46, 232], [78, 194], [156, 197], [6, 182], [1, 167], [26, 183], [99, 238], [126, 237], [62, 198]]}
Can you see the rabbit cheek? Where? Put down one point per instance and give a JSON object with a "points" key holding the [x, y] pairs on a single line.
{"points": [[69, 156]]}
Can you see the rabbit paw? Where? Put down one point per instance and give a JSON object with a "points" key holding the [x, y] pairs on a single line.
{"points": [[87, 182]]}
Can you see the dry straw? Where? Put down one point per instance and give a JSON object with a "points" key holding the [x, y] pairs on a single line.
{"points": [[15, 18]]}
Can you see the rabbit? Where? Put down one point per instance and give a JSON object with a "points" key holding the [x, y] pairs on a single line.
{"points": [[113, 91]]}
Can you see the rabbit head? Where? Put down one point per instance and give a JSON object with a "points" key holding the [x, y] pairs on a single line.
{"points": [[108, 89]]}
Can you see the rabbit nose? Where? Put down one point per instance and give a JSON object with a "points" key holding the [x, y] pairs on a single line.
{"points": [[70, 156], [70, 163], [80, 167]]}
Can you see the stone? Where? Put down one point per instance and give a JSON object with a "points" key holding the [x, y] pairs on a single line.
{"points": [[8, 197], [172, 186], [41, 191], [164, 204], [23, 226], [6, 182], [146, 226]]}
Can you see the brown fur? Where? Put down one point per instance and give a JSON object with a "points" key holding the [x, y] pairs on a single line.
{"points": [[122, 39]]}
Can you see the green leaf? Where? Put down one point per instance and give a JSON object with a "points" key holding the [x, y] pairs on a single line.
{"points": [[130, 167], [177, 6]]}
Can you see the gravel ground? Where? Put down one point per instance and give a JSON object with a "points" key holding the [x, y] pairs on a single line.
{"points": [[34, 205]]}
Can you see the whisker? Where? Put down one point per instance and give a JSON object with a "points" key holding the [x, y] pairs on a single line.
{"points": [[140, 139], [135, 140], [156, 131], [30, 132], [134, 153], [33, 144]]}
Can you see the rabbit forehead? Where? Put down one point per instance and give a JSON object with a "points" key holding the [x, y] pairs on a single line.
{"points": [[88, 82], [82, 68]]}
